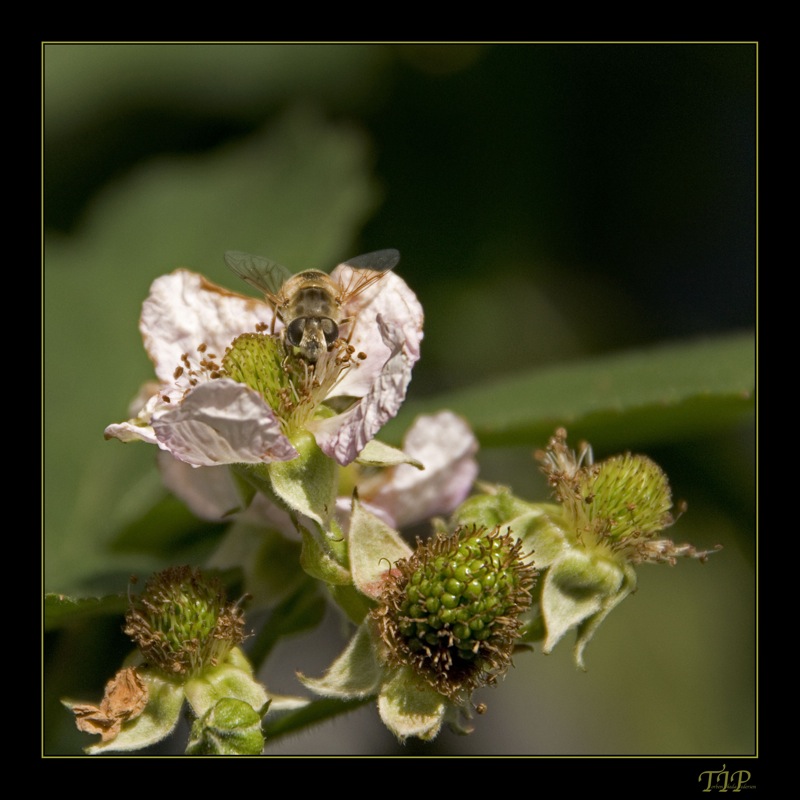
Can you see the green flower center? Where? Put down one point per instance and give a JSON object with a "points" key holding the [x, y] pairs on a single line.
{"points": [[292, 387]]}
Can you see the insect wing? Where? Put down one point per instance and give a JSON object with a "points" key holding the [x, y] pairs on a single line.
{"points": [[261, 273], [380, 260], [371, 268]]}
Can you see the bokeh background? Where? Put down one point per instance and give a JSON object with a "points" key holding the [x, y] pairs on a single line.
{"points": [[551, 202]]}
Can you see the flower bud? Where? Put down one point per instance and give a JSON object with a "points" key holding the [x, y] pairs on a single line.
{"points": [[230, 728], [617, 506]]}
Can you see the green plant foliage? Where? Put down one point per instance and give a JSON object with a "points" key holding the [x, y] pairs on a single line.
{"points": [[653, 395]]}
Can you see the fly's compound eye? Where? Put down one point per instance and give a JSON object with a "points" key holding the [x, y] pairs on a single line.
{"points": [[330, 329], [294, 331]]}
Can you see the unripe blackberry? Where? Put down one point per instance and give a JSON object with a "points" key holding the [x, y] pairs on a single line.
{"points": [[182, 623], [451, 611]]}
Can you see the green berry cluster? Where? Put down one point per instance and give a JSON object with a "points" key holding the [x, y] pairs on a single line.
{"points": [[451, 611], [182, 623]]}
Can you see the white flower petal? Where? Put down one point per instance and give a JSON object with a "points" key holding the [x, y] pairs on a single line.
{"points": [[223, 422], [184, 311], [131, 432], [139, 428], [344, 436], [209, 492], [393, 302], [446, 446]]}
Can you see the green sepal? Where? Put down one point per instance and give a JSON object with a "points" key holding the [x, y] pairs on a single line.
{"points": [[374, 549], [541, 534], [497, 506], [156, 722], [306, 484], [577, 588], [233, 678], [410, 707], [355, 673], [587, 628], [230, 728], [320, 561], [379, 454]]}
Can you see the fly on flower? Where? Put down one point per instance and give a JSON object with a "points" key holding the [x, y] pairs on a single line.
{"points": [[311, 304], [228, 393]]}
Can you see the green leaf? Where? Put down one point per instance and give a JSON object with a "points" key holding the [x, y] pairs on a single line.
{"points": [[60, 610], [658, 394]]}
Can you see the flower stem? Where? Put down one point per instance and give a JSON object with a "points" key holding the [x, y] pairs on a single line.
{"points": [[318, 711]]}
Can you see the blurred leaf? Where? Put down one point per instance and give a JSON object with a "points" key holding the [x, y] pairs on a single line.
{"points": [[236, 78], [653, 395], [60, 610]]}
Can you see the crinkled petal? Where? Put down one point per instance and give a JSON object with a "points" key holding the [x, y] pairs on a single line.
{"points": [[223, 422], [388, 303], [185, 311], [343, 436], [446, 446]]}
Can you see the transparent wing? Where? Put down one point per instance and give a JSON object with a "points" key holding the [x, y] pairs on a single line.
{"points": [[380, 260], [371, 267], [261, 273]]}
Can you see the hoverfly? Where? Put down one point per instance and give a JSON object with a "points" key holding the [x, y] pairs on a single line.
{"points": [[310, 303]]}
